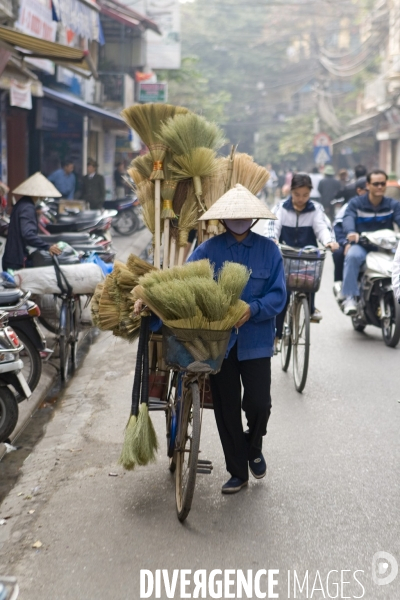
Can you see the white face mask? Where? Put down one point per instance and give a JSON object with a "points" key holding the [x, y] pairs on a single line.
{"points": [[238, 226]]}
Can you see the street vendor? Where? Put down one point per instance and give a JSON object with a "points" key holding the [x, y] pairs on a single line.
{"points": [[248, 359], [23, 228]]}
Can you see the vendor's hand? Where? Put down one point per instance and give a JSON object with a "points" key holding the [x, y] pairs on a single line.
{"points": [[138, 307], [244, 319], [347, 248], [55, 250], [354, 237], [332, 246]]}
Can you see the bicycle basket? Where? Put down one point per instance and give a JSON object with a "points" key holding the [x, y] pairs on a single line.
{"points": [[195, 350], [303, 269]]}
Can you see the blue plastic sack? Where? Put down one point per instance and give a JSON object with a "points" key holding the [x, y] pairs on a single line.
{"points": [[95, 258]]}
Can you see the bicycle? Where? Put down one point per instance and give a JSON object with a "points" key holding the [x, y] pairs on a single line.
{"points": [[68, 325], [303, 273], [191, 355]]}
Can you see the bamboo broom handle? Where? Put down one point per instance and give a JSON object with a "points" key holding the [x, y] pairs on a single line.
{"points": [[181, 256], [157, 233], [166, 245], [172, 252]]}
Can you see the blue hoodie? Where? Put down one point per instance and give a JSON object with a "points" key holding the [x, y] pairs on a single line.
{"points": [[361, 215]]}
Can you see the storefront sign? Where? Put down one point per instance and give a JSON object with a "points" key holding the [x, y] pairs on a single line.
{"points": [[20, 94], [79, 17], [152, 92], [36, 18], [164, 51]]}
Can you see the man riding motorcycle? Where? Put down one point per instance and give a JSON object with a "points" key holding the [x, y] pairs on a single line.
{"points": [[370, 212], [339, 254]]}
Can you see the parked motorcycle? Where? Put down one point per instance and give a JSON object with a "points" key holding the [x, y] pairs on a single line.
{"points": [[376, 304], [95, 222], [128, 219], [23, 318], [11, 378]]}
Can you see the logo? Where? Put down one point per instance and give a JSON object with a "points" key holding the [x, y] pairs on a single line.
{"points": [[384, 568]]}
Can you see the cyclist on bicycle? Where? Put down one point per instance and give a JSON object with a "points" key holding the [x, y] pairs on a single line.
{"points": [[248, 359], [300, 222]]}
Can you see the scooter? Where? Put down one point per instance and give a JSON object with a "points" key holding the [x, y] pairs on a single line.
{"points": [[95, 222], [11, 379], [23, 316], [376, 304], [127, 220]]}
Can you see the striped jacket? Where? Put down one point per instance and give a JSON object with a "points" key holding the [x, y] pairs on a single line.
{"points": [[361, 215], [300, 229]]}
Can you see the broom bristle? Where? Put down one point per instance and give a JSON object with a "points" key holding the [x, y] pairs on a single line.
{"points": [[144, 441], [183, 133], [248, 173], [233, 278], [181, 194], [138, 266], [188, 217], [127, 458], [143, 165], [201, 162]]}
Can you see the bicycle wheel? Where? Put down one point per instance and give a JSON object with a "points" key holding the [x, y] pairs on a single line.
{"points": [[63, 340], [171, 417], [187, 451], [286, 342], [301, 343]]}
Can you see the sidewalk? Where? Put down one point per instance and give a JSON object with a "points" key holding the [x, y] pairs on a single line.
{"points": [[50, 374]]}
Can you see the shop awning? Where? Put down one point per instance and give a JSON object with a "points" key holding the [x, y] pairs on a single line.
{"points": [[126, 16], [352, 134], [82, 106], [65, 56]]}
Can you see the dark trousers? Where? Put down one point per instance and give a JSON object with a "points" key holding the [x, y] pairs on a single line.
{"points": [[338, 259], [255, 375]]}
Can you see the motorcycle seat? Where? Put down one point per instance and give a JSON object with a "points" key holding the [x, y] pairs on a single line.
{"points": [[70, 237], [10, 297]]}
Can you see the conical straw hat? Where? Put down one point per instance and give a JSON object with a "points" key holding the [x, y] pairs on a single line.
{"points": [[38, 186], [238, 203]]}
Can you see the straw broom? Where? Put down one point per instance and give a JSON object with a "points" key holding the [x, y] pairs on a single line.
{"points": [[187, 220], [193, 142], [141, 168], [215, 188], [248, 173], [168, 189], [146, 120]]}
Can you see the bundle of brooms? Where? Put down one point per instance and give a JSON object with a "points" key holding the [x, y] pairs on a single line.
{"points": [[112, 303], [191, 302]]}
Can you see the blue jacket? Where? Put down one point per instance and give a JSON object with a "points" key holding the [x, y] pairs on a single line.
{"points": [[64, 182], [265, 291], [361, 215], [22, 232], [300, 229]]}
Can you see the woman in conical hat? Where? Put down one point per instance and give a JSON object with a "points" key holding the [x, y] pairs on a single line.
{"points": [[248, 359], [23, 228]]}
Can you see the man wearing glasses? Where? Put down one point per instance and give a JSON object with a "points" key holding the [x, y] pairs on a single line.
{"points": [[369, 212]]}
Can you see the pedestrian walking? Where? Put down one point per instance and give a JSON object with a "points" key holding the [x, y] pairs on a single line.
{"points": [[248, 359], [93, 186], [23, 227], [328, 188], [120, 185], [64, 180], [350, 189]]}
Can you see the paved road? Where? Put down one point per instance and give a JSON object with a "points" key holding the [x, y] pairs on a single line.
{"points": [[330, 501]]}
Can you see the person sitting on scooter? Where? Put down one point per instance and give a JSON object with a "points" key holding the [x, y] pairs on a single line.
{"points": [[23, 227], [370, 212], [339, 254], [300, 222]]}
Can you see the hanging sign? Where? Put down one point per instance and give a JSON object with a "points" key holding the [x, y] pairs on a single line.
{"points": [[20, 94]]}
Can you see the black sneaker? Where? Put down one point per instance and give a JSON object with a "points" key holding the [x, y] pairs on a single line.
{"points": [[233, 486], [258, 467]]}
